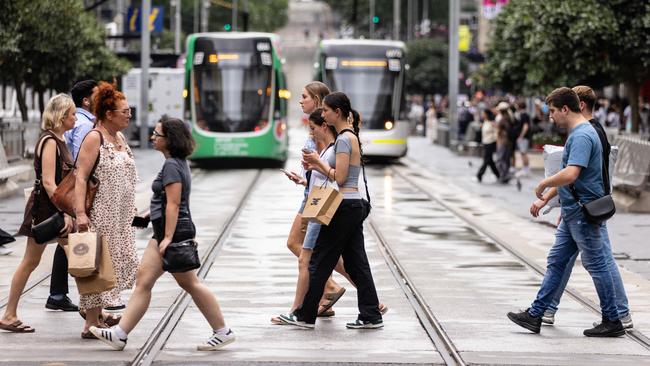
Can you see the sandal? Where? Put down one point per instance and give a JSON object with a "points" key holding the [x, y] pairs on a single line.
{"points": [[110, 320], [17, 327], [88, 335], [383, 309], [326, 314], [332, 298], [277, 321]]}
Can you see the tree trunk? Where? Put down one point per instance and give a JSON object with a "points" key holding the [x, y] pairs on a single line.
{"points": [[632, 90], [41, 102], [20, 97]]}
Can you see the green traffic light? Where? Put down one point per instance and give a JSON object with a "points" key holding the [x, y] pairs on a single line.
{"points": [[227, 27], [375, 19]]}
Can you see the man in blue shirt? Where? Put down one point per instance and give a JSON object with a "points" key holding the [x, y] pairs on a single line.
{"points": [[582, 167], [81, 94], [587, 102]]}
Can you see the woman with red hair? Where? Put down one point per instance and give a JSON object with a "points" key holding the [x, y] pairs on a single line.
{"points": [[105, 149]]}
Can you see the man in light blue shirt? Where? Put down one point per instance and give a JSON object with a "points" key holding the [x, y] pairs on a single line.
{"points": [[81, 93]]}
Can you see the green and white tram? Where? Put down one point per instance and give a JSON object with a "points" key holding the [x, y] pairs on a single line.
{"points": [[371, 73], [236, 96]]}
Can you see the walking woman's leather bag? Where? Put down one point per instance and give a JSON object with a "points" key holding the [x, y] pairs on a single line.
{"points": [[63, 197]]}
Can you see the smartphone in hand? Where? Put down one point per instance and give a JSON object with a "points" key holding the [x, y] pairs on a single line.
{"points": [[140, 222], [307, 151]]}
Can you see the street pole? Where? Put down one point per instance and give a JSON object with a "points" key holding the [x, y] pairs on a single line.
{"points": [[234, 15], [396, 20], [205, 15], [143, 108], [197, 8], [409, 19], [372, 17], [177, 26], [452, 115]]}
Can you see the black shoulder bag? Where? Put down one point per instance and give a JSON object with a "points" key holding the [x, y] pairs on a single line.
{"points": [[600, 209], [51, 227], [364, 203]]}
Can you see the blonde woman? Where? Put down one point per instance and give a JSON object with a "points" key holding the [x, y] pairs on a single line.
{"points": [[52, 162]]}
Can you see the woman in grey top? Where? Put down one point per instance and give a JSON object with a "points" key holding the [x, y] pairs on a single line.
{"points": [[172, 222], [344, 235]]}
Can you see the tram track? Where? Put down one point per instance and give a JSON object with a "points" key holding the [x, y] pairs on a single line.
{"points": [[632, 334], [430, 323], [159, 336]]}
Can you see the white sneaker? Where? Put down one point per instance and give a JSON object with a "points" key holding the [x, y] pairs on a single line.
{"points": [[625, 320], [217, 341], [108, 336], [5, 251], [548, 317]]}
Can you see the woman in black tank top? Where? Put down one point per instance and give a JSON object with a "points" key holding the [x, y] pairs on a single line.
{"points": [[52, 162]]}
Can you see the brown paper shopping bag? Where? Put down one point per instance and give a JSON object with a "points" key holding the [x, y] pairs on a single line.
{"points": [[83, 253], [103, 280], [322, 204]]}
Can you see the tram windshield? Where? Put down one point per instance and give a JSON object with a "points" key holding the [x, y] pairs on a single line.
{"points": [[232, 85], [370, 85]]}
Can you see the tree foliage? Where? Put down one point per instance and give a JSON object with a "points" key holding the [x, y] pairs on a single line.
{"points": [[539, 45], [428, 64], [50, 45], [264, 15]]}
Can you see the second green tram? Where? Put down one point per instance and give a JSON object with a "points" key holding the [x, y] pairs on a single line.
{"points": [[371, 73], [236, 96]]}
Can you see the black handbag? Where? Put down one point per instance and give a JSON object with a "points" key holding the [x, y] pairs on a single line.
{"points": [[600, 209], [182, 256], [48, 229]]}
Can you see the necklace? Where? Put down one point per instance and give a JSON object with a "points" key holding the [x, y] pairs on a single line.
{"points": [[113, 139]]}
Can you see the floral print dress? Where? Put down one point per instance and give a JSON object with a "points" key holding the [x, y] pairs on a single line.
{"points": [[111, 215]]}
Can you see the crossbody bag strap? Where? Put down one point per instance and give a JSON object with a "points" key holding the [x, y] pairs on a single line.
{"points": [[363, 167], [605, 178]]}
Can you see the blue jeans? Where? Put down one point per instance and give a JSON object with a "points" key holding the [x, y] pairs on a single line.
{"points": [[573, 236], [619, 288]]}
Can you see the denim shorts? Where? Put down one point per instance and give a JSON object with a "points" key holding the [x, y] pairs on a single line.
{"points": [[304, 201], [313, 229]]}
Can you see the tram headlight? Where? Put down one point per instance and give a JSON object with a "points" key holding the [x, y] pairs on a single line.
{"points": [[184, 93], [388, 125]]}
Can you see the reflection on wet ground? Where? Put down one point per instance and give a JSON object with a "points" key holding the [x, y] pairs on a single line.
{"points": [[470, 283]]}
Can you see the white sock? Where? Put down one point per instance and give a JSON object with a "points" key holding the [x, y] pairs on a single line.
{"points": [[223, 330], [120, 333]]}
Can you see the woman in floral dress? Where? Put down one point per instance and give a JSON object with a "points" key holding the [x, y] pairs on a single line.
{"points": [[114, 206]]}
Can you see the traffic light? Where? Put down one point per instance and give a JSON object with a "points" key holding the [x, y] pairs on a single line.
{"points": [[227, 27], [375, 19]]}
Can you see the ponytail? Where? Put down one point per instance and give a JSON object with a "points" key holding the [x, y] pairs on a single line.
{"points": [[356, 121]]}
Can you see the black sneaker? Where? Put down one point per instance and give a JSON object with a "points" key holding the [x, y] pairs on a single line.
{"points": [[524, 319], [365, 324], [65, 304], [115, 309], [607, 328]]}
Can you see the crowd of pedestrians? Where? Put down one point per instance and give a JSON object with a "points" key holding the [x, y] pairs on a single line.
{"points": [[82, 136]]}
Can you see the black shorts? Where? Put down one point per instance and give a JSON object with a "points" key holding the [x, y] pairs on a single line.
{"points": [[159, 232]]}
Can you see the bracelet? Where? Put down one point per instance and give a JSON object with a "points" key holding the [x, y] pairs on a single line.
{"points": [[333, 175]]}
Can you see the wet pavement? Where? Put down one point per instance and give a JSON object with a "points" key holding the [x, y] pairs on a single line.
{"points": [[469, 283]]}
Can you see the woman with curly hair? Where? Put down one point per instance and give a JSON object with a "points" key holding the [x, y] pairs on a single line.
{"points": [[105, 150]]}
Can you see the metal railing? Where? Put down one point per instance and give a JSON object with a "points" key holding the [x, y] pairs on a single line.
{"points": [[632, 170]]}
